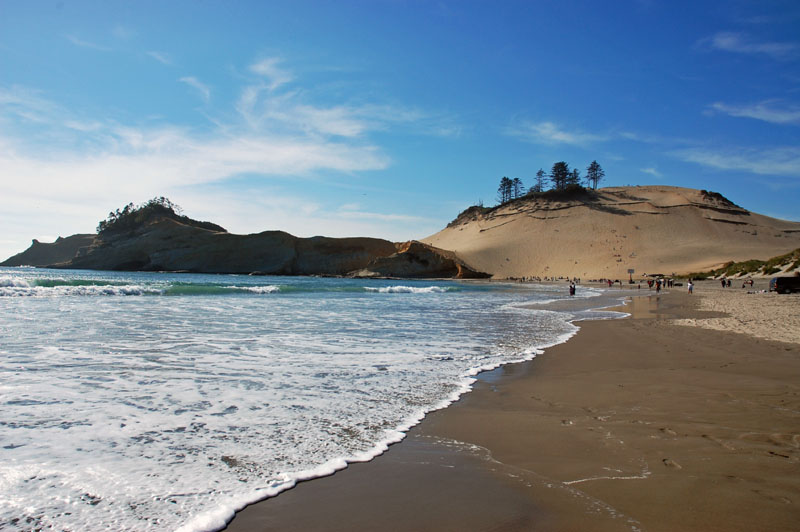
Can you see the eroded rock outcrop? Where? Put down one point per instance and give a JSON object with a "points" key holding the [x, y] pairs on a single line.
{"points": [[415, 259]]}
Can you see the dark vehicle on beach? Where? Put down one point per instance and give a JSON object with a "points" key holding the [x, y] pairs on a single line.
{"points": [[784, 285]]}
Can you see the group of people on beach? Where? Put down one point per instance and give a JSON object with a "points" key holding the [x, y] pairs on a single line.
{"points": [[726, 283]]}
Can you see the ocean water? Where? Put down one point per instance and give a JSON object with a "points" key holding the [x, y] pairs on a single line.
{"points": [[147, 401]]}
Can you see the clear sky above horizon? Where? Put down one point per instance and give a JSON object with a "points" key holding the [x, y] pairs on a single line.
{"points": [[383, 118]]}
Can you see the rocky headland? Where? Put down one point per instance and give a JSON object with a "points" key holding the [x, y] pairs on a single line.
{"points": [[155, 238]]}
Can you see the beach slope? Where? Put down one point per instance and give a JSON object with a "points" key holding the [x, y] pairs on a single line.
{"points": [[644, 423]]}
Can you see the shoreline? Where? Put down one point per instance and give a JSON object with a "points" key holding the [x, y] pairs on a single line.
{"points": [[636, 423]]}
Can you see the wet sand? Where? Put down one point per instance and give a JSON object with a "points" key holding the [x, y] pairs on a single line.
{"points": [[634, 424]]}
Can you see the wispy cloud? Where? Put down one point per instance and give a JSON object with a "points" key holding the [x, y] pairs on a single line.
{"points": [[85, 127], [652, 171], [261, 104], [551, 133], [137, 160], [773, 111], [202, 88], [86, 44], [744, 44], [26, 103], [165, 156], [161, 57], [269, 68], [782, 161]]}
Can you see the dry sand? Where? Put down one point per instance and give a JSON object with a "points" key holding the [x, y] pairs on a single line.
{"points": [[634, 424], [748, 310]]}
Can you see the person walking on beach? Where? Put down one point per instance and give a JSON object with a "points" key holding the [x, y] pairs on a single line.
{"points": [[691, 286]]}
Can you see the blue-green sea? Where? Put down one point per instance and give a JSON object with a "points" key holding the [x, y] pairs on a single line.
{"points": [[158, 401]]}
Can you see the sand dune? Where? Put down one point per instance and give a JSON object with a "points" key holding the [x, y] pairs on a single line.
{"points": [[601, 234]]}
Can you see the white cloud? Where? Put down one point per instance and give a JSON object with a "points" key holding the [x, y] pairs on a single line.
{"points": [[85, 127], [340, 121], [201, 87], [551, 133], [161, 57], [782, 161], [768, 111], [268, 68], [652, 171], [138, 160], [742, 43], [260, 107]]}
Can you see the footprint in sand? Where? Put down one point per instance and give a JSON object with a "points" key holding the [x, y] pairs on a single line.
{"points": [[770, 496], [719, 442]]}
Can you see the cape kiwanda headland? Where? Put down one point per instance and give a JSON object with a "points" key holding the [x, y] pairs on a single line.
{"points": [[571, 233], [603, 233], [153, 237]]}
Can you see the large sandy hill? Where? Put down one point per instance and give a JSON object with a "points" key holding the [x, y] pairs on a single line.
{"points": [[603, 233]]}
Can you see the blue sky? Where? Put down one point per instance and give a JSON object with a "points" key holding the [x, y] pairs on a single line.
{"points": [[383, 118]]}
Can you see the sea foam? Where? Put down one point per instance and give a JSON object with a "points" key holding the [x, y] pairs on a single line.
{"points": [[129, 412]]}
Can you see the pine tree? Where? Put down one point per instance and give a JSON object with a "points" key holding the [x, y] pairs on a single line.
{"points": [[517, 188], [559, 175], [540, 177], [574, 178], [505, 190], [594, 174]]}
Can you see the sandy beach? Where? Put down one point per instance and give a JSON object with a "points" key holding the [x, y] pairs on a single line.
{"points": [[684, 416]]}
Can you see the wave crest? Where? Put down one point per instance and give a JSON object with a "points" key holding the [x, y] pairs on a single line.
{"points": [[400, 289]]}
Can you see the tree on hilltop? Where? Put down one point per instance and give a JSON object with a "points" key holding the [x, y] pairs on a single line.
{"points": [[559, 175], [132, 216], [517, 188], [510, 189], [594, 174], [505, 190], [538, 185], [574, 178]]}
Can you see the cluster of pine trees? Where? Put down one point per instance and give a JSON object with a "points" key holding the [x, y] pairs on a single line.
{"points": [[131, 216], [560, 178]]}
